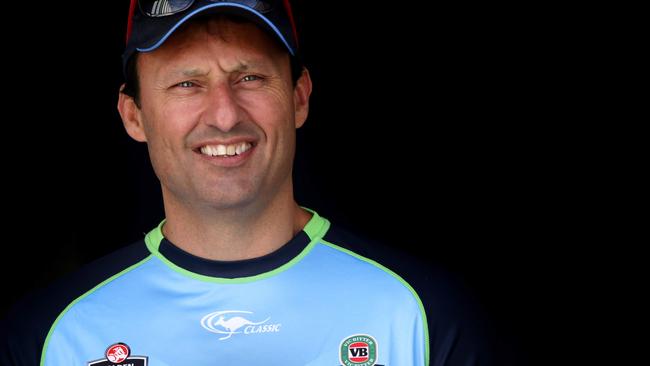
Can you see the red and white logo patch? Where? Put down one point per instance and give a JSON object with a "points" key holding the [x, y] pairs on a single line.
{"points": [[359, 352], [118, 352]]}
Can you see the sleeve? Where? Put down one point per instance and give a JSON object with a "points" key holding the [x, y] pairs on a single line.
{"points": [[461, 332], [457, 332], [25, 328], [22, 335]]}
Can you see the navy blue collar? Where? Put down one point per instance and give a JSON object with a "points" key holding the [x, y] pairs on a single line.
{"points": [[234, 269]]}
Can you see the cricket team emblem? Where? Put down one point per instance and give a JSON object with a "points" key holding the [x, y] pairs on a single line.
{"points": [[358, 350]]}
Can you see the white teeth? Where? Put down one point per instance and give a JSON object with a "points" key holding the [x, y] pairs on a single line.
{"points": [[226, 150]]}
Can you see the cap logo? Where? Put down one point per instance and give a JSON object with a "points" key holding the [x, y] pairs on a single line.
{"points": [[261, 6], [160, 8]]}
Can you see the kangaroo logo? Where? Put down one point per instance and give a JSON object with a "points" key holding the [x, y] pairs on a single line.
{"points": [[231, 322]]}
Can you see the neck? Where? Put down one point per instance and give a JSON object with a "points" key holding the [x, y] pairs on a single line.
{"points": [[233, 233]]}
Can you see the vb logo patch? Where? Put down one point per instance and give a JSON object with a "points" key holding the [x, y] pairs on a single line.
{"points": [[359, 350], [119, 354]]}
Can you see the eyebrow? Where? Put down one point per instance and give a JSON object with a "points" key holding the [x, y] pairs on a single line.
{"points": [[197, 72], [190, 72], [247, 65]]}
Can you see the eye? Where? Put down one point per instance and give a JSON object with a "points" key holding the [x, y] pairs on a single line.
{"points": [[251, 78], [185, 84]]}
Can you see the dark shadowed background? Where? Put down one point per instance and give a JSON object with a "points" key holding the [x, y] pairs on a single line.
{"points": [[421, 135]]}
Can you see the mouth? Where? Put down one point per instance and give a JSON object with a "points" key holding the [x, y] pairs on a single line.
{"points": [[225, 150]]}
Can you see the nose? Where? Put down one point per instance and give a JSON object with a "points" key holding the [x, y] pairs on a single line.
{"points": [[222, 110]]}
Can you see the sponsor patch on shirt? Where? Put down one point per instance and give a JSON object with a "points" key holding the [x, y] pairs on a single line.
{"points": [[358, 350], [119, 354], [230, 322]]}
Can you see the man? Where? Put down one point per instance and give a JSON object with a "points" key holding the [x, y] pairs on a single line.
{"points": [[238, 273]]}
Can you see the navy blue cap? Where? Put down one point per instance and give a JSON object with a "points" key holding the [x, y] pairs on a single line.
{"points": [[152, 22]]}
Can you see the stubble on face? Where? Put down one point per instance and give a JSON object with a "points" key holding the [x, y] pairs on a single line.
{"points": [[186, 179]]}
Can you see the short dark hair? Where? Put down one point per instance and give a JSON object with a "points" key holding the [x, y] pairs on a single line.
{"points": [[131, 83]]}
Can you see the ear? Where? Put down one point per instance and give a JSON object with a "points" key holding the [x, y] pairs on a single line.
{"points": [[301, 94], [131, 116]]}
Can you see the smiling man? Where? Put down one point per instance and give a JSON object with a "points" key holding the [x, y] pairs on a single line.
{"points": [[237, 273], [218, 111]]}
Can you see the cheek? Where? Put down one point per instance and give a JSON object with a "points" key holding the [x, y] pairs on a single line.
{"points": [[272, 111], [168, 124]]}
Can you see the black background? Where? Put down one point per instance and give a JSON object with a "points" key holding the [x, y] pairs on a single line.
{"points": [[423, 134]]}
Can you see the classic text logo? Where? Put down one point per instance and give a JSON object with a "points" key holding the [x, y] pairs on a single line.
{"points": [[231, 322]]}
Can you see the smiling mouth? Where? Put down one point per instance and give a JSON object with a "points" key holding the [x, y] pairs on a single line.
{"points": [[225, 150]]}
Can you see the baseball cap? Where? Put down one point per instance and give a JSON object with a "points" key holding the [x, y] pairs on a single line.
{"points": [[152, 22]]}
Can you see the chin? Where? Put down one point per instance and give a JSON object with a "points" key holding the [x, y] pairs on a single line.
{"points": [[230, 200]]}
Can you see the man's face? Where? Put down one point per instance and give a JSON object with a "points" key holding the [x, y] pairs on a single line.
{"points": [[219, 113]]}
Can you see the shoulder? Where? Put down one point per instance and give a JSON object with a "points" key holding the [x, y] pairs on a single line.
{"points": [[427, 280], [360, 264], [458, 326], [24, 330]]}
